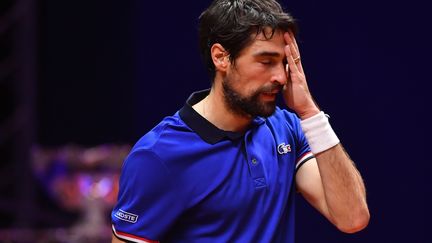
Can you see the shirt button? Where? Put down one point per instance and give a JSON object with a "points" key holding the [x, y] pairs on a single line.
{"points": [[254, 161]]}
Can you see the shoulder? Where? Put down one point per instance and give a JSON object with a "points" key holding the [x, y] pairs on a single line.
{"points": [[169, 127], [171, 137], [168, 142], [146, 162]]}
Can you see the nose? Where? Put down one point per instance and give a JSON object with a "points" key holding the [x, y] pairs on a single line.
{"points": [[280, 74]]}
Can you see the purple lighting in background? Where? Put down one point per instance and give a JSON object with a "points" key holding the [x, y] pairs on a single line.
{"points": [[76, 178], [94, 188], [72, 173], [84, 179]]}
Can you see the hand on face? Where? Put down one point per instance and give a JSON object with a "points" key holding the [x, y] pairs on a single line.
{"points": [[296, 92]]}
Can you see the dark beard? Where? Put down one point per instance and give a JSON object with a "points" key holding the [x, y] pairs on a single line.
{"points": [[249, 106]]}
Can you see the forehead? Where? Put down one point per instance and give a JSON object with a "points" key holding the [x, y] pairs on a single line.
{"points": [[261, 44]]}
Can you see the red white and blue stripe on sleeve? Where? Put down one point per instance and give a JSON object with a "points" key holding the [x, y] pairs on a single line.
{"points": [[303, 159], [131, 238]]}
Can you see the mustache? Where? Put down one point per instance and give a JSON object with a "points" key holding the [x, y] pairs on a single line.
{"points": [[270, 88]]}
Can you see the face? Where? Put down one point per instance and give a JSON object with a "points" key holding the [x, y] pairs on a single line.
{"points": [[258, 75]]}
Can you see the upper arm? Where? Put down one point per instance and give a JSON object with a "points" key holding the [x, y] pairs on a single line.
{"points": [[309, 184], [116, 240], [148, 202]]}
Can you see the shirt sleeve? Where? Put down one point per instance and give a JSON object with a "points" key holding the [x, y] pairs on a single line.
{"points": [[147, 202], [303, 151]]}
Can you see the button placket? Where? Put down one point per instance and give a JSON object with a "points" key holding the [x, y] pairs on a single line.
{"points": [[255, 166]]}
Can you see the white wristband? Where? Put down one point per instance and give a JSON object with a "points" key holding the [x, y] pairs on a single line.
{"points": [[319, 133]]}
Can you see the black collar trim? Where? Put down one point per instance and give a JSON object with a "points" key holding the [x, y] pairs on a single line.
{"points": [[205, 129]]}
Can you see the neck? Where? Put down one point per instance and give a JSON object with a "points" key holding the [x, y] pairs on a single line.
{"points": [[214, 109]]}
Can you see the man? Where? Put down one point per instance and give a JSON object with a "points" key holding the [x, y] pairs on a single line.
{"points": [[226, 167]]}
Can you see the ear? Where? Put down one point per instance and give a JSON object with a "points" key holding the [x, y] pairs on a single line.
{"points": [[219, 57]]}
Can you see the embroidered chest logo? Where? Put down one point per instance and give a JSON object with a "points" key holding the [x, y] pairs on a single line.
{"points": [[125, 216], [284, 149]]}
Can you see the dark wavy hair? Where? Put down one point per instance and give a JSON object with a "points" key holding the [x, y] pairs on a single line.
{"points": [[233, 23]]}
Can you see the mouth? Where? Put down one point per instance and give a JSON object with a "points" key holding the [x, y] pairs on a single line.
{"points": [[274, 91], [269, 95]]}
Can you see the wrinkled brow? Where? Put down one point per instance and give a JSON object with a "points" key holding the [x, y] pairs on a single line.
{"points": [[267, 54]]}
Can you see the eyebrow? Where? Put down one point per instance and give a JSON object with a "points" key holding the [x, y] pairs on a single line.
{"points": [[267, 53]]}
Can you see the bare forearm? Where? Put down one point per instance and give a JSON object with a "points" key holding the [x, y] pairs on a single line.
{"points": [[343, 189]]}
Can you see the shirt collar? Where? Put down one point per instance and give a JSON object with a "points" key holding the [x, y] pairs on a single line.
{"points": [[205, 129]]}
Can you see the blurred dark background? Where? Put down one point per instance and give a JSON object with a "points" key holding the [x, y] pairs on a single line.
{"points": [[78, 75]]}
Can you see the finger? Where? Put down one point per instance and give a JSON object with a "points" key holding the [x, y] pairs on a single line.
{"points": [[291, 43], [296, 53], [294, 41], [288, 39], [294, 50], [287, 71], [292, 66], [297, 48]]}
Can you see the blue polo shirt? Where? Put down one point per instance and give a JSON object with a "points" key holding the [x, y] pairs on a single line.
{"points": [[188, 181]]}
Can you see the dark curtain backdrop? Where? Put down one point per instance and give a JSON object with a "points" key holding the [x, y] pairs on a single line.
{"points": [[109, 71]]}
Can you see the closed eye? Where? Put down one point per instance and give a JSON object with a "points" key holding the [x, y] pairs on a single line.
{"points": [[266, 62]]}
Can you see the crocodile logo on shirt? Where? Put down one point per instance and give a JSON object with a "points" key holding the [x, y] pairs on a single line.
{"points": [[284, 149]]}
